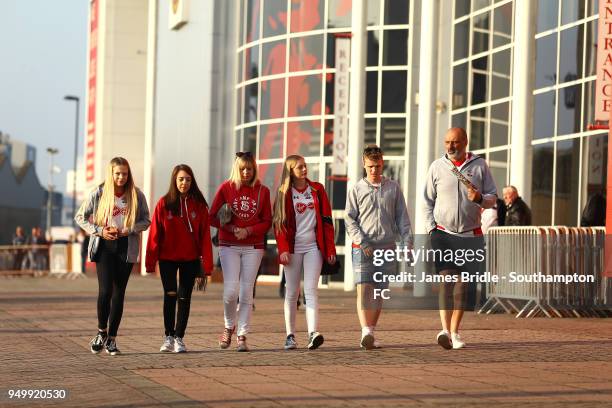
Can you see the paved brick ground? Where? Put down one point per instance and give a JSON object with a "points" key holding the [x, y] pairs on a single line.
{"points": [[46, 324]]}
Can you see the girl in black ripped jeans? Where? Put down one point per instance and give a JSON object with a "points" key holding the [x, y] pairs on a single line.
{"points": [[114, 214], [179, 240]]}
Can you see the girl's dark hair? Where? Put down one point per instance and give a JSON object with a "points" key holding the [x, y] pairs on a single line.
{"points": [[173, 196]]}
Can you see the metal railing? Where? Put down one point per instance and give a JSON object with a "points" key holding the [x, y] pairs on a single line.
{"points": [[61, 260], [549, 271]]}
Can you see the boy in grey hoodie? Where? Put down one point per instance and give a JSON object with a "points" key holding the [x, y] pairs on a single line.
{"points": [[459, 185], [376, 218]]}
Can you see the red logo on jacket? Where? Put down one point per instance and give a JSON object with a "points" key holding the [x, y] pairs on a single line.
{"points": [[301, 207]]}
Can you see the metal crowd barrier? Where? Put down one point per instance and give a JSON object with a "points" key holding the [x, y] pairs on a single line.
{"points": [[59, 260], [553, 252]]}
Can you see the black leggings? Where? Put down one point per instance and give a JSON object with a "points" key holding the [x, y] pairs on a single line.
{"points": [[187, 274], [113, 273]]}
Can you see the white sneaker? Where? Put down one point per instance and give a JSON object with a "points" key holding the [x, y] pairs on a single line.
{"points": [[457, 342], [179, 345], [444, 340], [367, 341], [168, 345]]}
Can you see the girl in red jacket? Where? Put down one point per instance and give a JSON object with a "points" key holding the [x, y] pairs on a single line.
{"points": [[241, 212], [305, 237], [179, 239]]}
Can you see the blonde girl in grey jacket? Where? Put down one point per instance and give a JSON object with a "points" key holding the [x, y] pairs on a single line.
{"points": [[115, 214]]}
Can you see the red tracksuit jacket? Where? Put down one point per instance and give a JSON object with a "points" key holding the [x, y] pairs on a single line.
{"points": [[170, 238], [285, 239], [246, 213]]}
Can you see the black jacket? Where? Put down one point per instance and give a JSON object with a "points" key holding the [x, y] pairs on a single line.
{"points": [[518, 213]]}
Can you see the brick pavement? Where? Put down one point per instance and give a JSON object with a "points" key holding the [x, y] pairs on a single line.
{"points": [[46, 324]]}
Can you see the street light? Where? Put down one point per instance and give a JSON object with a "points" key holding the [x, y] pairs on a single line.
{"points": [[52, 152], [76, 150]]}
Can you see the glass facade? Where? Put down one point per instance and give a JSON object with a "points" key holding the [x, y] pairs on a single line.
{"points": [[481, 79], [285, 85], [569, 160]]}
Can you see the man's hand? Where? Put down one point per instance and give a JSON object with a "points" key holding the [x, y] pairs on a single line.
{"points": [[331, 259], [368, 251], [474, 195], [240, 233]]}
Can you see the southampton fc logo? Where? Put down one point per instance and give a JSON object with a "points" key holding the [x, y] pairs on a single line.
{"points": [[244, 206]]}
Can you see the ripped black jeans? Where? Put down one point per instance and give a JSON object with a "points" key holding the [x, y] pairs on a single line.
{"points": [[176, 323]]}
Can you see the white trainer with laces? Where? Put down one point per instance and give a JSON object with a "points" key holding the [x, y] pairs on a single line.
{"points": [[444, 340], [168, 345], [179, 345], [457, 342]]}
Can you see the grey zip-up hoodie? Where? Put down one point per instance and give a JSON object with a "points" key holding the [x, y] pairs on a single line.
{"points": [[446, 198], [143, 220], [377, 216]]}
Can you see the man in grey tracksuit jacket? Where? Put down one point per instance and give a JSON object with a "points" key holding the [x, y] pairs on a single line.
{"points": [[376, 218], [458, 186]]}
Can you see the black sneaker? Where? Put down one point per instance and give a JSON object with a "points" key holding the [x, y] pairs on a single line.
{"points": [[97, 343], [290, 343], [111, 347], [315, 340]]}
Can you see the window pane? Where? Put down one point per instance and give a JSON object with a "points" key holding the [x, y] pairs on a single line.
{"points": [[548, 12], [396, 11], [478, 4], [591, 48], [274, 22], [271, 141], [252, 62], [570, 54], [371, 91], [336, 190], [339, 13], [274, 58], [369, 131], [395, 47], [595, 149], [239, 105], [478, 132], [499, 134], [502, 25], [328, 141], [249, 139], [240, 60], [305, 95], [462, 7], [481, 25], [393, 136], [460, 84], [566, 183], [373, 47], [589, 105], [572, 10], [479, 88], [306, 53], [273, 99], [546, 61], [459, 120], [241, 23], [544, 117], [253, 9], [250, 103], [394, 85], [269, 175], [394, 170], [306, 15], [593, 7], [304, 137], [498, 163], [541, 184], [462, 40], [373, 12], [569, 110], [499, 113]]}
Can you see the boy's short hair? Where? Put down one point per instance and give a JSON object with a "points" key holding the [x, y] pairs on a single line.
{"points": [[372, 152]]}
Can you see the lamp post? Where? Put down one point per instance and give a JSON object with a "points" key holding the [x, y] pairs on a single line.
{"points": [[52, 152], [76, 151]]}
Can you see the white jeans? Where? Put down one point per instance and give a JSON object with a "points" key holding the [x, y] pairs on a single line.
{"points": [[240, 265], [312, 262]]}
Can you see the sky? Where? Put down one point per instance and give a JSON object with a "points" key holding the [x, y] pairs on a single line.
{"points": [[43, 57]]}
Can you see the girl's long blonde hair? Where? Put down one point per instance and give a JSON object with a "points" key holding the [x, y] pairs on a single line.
{"points": [[280, 215], [241, 161], [107, 200]]}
